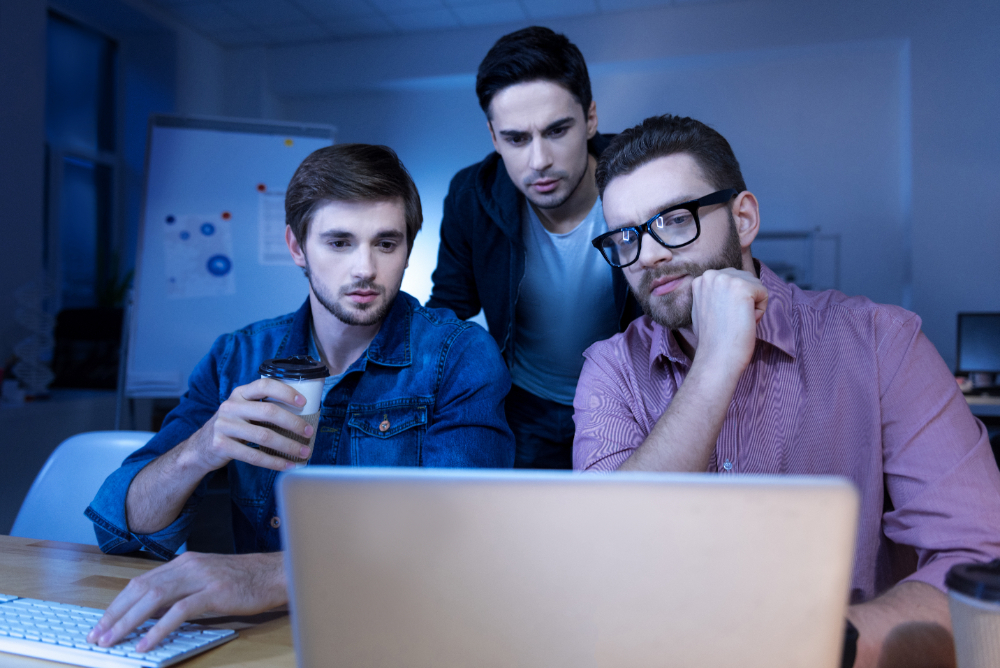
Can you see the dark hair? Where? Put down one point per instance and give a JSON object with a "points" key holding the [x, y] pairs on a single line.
{"points": [[533, 54], [660, 136], [350, 173]]}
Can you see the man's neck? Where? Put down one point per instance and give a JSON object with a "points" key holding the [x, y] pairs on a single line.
{"points": [[339, 344], [567, 216]]}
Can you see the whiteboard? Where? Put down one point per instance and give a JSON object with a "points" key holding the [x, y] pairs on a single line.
{"points": [[211, 254]]}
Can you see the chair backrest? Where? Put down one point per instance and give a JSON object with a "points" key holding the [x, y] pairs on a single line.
{"points": [[53, 508]]}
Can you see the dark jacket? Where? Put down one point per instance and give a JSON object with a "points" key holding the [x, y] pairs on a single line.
{"points": [[481, 256]]}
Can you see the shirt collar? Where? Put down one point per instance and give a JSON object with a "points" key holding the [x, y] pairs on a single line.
{"points": [[390, 347], [775, 328]]}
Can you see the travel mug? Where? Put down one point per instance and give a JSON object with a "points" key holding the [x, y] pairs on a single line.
{"points": [[974, 601], [306, 375]]}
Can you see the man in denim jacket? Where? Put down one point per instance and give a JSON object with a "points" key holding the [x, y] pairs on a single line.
{"points": [[409, 386]]}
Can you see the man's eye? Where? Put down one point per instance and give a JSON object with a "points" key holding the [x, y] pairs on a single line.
{"points": [[558, 132], [387, 246], [674, 219], [518, 141], [339, 243]]}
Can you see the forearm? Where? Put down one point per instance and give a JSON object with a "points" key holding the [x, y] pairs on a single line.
{"points": [[909, 625], [684, 437], [160, 490]]}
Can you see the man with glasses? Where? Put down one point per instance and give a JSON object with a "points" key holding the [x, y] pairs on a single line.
{"points": [[515, 237], [734, 371]]}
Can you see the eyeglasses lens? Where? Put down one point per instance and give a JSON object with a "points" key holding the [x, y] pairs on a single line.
{"points": [[674, 228]]}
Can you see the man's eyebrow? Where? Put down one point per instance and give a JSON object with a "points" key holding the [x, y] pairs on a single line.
{"points": [[336, 234], [668, 205], [389, 234], [562, 122]]}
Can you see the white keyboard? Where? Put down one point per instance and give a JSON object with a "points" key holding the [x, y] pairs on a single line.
{"points": [[58, 632]]}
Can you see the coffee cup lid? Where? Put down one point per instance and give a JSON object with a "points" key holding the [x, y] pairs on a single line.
{"points": [[299, 367], [977, 580]]}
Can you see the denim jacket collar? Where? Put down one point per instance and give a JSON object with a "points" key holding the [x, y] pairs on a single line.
{"points": [[390, 347]]}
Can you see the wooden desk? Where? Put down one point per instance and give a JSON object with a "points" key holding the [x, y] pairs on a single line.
{"points": [[82, 575]]}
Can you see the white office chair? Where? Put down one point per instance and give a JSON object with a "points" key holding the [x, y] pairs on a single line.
{"points": [[53, 508]]}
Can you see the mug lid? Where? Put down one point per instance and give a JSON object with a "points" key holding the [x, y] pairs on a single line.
{"points": [[299, 367], [977, 580]]}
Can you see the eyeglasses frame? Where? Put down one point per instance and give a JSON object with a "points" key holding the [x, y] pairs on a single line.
{"points": [[718, 197]]}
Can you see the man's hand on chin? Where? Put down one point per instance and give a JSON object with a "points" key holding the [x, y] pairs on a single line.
{"points": [[192, 585], [726, 306]]}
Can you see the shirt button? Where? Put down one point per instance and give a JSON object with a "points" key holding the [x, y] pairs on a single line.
{"points": [[275, 522], [728, 466], [384, 426]]}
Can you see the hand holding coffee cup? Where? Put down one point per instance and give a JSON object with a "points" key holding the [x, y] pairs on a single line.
{"points": [[306, 376]]}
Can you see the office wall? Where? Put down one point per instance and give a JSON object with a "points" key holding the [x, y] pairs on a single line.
{"points": [[22, 158], [875, 119]]}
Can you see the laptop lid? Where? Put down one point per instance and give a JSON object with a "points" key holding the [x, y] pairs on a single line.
{"points": [[418, 568]]}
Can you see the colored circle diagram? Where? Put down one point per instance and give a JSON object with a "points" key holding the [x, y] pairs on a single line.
{"points": [[219, 265], [208, 229]]}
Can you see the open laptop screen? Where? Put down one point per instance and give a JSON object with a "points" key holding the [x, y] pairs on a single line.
{"points": [[421, 568]]}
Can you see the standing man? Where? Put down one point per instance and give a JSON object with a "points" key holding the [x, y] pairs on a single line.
{"points": [[408, 386], [515, 237], [734, 371]]}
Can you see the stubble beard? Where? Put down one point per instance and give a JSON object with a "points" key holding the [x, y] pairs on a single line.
{"points": [[673, 310], [361, 315], [554, 201]]}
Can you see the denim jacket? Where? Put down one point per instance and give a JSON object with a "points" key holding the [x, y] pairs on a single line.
{"points": [[437, 381]]}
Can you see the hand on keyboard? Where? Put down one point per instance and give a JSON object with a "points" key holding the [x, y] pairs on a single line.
{"points": [[55, 631], [192, 585]]}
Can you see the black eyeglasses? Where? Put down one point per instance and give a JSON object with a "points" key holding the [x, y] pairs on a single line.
{"points": [[674, 227]]}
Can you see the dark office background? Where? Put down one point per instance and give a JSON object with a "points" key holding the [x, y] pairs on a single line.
{"points": [[873, 120]]}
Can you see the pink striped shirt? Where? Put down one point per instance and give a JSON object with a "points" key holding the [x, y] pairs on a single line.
{"points": [[837, 386]]}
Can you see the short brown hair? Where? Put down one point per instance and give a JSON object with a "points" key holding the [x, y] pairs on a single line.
{"points": [[660, 136], [350, 173]]}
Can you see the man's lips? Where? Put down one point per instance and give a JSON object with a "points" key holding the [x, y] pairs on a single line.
{"points": [[363, 296], [545, 185], [665, 284]]}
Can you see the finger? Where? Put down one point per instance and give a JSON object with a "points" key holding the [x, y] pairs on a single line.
{"points": [[119, 607], [243, 433], [261, 459], [268, 388], [271, 413], [179, 613], [136, 615]]}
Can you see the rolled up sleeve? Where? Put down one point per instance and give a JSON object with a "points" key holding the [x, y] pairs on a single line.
{"points": [[108, 510], [940, 472]]}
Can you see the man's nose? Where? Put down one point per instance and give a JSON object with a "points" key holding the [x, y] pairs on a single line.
{"points": [[651, 252], [364, 264], [539, 157]]}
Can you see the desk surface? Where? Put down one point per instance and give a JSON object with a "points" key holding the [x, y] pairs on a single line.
{"points": [[82, 575]]}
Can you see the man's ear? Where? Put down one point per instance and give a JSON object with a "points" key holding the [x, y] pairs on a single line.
{"points": [[592, 119], [746, 217], [297, 251]]}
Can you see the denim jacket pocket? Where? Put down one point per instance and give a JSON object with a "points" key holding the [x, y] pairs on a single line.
{"points": [[388, 433]]}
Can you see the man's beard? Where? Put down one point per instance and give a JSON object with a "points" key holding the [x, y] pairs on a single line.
{"points": [[673, 310], [371, 313]]}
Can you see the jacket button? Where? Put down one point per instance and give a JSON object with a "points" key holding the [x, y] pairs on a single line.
{"points": [[275, 522], [384, 427]]}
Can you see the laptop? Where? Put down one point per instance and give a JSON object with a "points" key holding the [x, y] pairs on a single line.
{"points": [[422, 568]]}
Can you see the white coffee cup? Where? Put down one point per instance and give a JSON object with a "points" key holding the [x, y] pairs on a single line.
{"points": [[307, 377], [974, 601]]}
